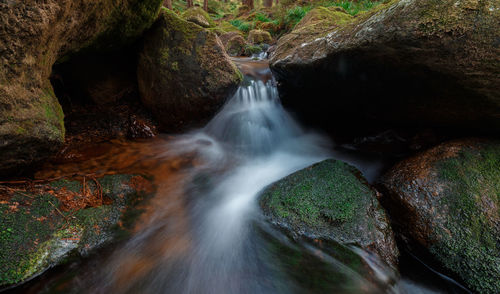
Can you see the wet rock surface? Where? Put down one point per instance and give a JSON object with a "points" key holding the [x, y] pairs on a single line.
{"points": [[184, 73], [330, 200], [414, 63], [446, 201], [43, 224], [34, 37]]}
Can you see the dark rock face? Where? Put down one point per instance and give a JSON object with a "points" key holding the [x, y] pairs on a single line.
{"points": [[184, 73], [330, 200], [33, 37], [43, 226], [447, 201], [410, 62]]}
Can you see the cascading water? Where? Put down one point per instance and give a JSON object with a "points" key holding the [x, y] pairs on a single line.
{"points": [[203, 231], [251, 143]]}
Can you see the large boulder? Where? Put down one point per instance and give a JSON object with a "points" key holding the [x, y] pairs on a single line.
{"points": [[447, 201], [33, 37], [42, 225], [330, 200], [413, 62], [184, 73]]}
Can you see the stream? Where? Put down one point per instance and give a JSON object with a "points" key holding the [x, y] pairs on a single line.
{"points": [[203, 231]]}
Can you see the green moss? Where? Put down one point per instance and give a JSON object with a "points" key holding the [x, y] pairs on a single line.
{"points": [[20, 130], [469, 243], [175, 66], [19, 229], [34, 234], [329, 192], [252, 49], [198, 12]]}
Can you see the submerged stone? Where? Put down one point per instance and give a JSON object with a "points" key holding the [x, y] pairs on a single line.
{"points": [[447, 200], [330, 200]]}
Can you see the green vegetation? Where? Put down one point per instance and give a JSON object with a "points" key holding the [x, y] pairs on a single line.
{"points": [[469, 246], [278, 19]]}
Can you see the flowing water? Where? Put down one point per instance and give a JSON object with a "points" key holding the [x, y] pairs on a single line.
{"points": [[203, 232]]}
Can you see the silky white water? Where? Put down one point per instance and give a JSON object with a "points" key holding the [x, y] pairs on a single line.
{"points": [[203, 232]]}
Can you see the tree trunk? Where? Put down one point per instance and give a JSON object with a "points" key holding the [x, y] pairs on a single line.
{"points": [[268, 3], [189, 3], [205, 5], [277, 2], [168, 4], [248, 3]]}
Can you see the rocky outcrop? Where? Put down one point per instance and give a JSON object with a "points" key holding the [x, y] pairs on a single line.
{"points": [[447, 201], [44, 225], [405, 61], [33, 38], [330, 200], [257, 37], [184, 73], [198, 16]]}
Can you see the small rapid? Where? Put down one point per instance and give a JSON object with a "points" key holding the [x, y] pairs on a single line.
{"points": [[251, 143], [203, 231]]}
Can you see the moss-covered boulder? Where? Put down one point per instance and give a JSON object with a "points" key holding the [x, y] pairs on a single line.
{"points": [[236, 45], [331, 200], [413, 62], [198, 16], [257, 37], [447, 200], [184, 73], [32, 38], [41, 227]]}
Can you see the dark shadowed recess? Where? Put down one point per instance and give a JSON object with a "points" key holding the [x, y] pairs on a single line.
{"points": [[349, 95]]}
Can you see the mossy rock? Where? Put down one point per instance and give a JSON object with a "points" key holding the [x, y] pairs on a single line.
{"points": [[184, 73], [235, 46], [31, 119], [257, 37], [250, 50], [443, 55], [198, 16], [447, 199], [330, 200], [36, 233]]}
